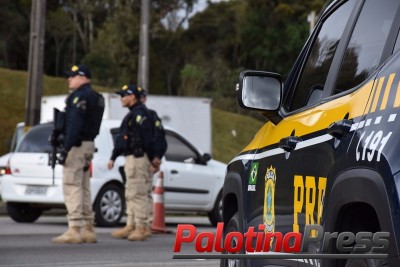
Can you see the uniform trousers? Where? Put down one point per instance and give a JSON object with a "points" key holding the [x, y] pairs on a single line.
{"points": [[76, 185], [137, 171]]}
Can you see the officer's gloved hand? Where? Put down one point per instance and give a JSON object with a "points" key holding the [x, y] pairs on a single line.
{"points": [[63, 157], [155, 164]]}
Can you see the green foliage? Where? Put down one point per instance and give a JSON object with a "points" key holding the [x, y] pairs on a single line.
{"points": [[114, 55], [14, 32], [59, 28], [166, 54], [103, 67], [213, 46], [231, 132], [192, 80], [12, 109], [276, 31]]}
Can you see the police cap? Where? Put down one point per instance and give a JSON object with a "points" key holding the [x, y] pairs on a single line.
{"points": [[130, 89], [80, 70]]}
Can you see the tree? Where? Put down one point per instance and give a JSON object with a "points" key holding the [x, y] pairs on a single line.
{"points": [[201, 53], [59, 27], [14, 33], [192, 80], [114, 55], [166, 61], [275, 32], [166, 58], [212, 43]]}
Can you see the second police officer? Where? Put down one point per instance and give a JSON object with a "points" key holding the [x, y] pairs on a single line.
{"points": [[135, 142], [159, 148]]}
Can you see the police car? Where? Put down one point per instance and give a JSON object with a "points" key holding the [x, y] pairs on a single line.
{"points": [[329, 153], [192, 180]]}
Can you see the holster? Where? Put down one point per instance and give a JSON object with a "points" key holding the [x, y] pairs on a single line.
{"points": [[138, 152]]}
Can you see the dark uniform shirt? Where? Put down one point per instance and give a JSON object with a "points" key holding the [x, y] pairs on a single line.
{"points": [[159, 141], [80, 117], [135, 134]]}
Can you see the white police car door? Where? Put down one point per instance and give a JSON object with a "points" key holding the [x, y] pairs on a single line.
{"points": [[186, 182]]}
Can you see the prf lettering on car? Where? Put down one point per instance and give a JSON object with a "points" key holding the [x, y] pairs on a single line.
{"points": [[328, 153]]}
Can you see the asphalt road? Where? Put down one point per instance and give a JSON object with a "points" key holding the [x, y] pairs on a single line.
{"points": [[23, 245]]}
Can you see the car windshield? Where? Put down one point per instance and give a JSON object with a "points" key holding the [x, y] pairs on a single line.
{"points": [[17, 137], [36, 140]]}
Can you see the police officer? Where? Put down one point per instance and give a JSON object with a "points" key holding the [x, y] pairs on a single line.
{"points": [[77, 153], [135, 141], [159, 149]]}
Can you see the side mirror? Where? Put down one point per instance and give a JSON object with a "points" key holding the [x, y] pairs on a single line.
{"points": [[261, 91], [205, 158]]}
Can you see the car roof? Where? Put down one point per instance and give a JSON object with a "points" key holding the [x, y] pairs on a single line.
{"points": [[110, 123]]}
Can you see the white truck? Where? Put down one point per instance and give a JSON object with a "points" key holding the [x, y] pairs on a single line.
{"points": [[191, 116]]}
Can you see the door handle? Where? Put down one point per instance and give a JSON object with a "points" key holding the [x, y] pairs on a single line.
{"points": [[289, 143], [41, 160], [174, 172], [340, 128]]}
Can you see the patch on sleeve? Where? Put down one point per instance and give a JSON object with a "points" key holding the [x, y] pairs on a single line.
{"points": [[82, 105], [139, 119], [76, 99]]}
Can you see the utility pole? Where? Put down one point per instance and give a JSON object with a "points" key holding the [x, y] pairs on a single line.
{"points": [[143, 70], [35, 63]]}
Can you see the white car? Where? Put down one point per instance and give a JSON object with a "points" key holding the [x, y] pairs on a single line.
{"points": [[192, 180], [3, 166], [18, 134]]}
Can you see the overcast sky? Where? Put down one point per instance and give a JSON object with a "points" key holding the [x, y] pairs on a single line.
{"points": [[170, 22], [202, 4]]}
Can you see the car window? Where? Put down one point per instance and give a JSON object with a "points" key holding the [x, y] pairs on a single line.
{"points": [[320, 58], [397, 45], [178, 150], [366, 44], [36, 140], [17, 137]]}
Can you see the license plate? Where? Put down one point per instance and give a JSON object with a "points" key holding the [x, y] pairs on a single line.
{"points": [[32, 190]]}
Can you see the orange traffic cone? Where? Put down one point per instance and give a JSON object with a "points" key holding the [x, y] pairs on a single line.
{"points": [[158, 206]]}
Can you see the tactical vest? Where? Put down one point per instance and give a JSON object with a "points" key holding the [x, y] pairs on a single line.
{"points": [[95, 115], [159, 143]]}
